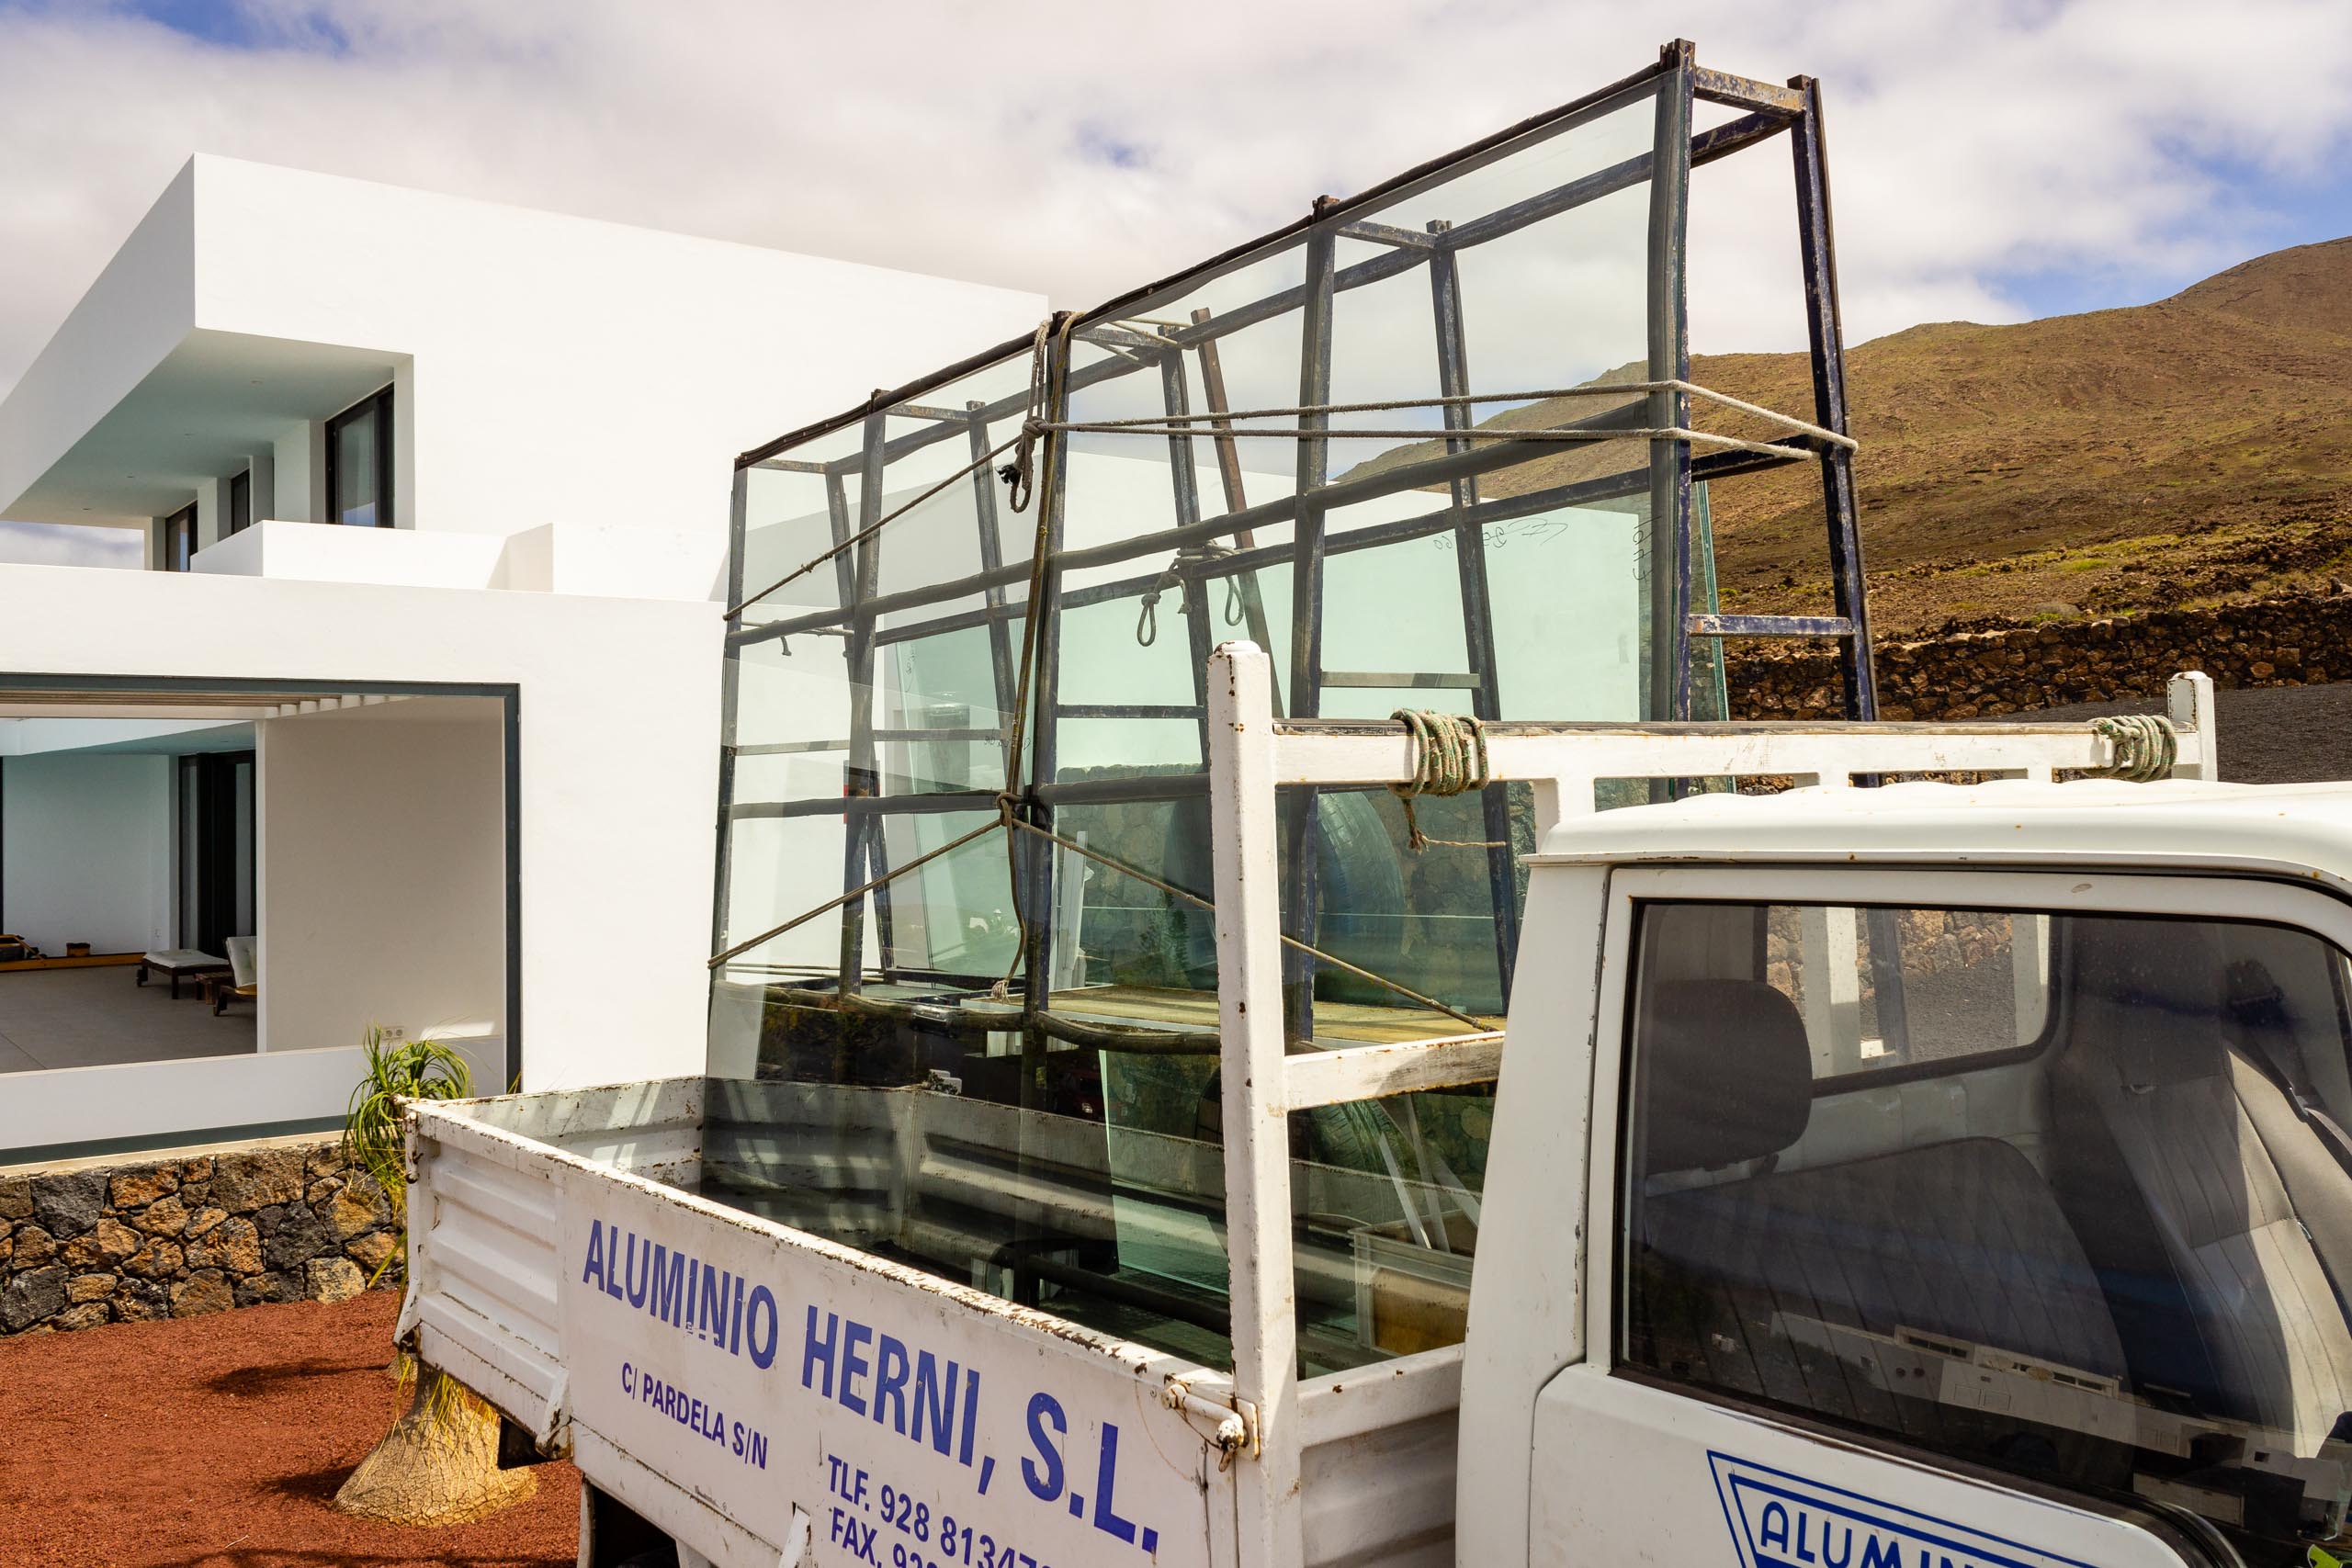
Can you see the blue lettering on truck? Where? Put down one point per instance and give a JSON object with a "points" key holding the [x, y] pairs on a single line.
{"points": [[684, 1292], [903, 1388]]}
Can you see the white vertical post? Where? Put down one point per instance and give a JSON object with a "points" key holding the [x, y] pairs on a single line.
{"points": [[2029, 972], [1558, 800], [1243, 830], [1829, 958], [2189, 701]]}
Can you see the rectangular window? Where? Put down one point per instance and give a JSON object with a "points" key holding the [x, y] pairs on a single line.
{"points": [[179, 538], [2094, 1227], [359, 464], [216, 849], [241, 503]]}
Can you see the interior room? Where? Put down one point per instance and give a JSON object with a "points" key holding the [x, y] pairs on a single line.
{"points": [[247, 876], [119, 839]]}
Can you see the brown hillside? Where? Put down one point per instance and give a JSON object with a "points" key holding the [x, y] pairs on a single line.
{"points": [[2185, 452]]}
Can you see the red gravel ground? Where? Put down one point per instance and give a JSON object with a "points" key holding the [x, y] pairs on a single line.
{"points": [[217, 1442]]}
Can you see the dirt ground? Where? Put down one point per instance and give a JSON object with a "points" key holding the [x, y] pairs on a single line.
{"points": [[217, 1442]]}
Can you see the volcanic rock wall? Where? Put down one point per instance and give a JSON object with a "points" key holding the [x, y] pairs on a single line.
{"points": [[2302, 640], [182, 1237]]}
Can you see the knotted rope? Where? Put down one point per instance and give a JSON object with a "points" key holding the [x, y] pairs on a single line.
{"points": [[1449, 758], [2146, 747], [1148, 621], [1021, 474]]}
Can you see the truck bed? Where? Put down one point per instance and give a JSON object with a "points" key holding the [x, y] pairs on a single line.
{"points": [[736, 1305]]}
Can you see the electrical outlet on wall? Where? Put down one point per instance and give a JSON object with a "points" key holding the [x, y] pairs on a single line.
{"points": [[395, 1031]]}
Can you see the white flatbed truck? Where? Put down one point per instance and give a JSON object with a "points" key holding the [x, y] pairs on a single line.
{"points": [[2043, 1265]]}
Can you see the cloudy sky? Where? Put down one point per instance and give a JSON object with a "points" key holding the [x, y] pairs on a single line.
{"points": [[1991, 161]]}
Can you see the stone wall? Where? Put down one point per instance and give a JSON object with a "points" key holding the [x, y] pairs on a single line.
{"points": [[184, 1237], [2305, 640]]}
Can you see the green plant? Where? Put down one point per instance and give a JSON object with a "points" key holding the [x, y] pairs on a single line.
{"points": [[372, 1136]]}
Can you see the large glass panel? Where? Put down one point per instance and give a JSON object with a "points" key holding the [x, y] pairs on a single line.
{"points": [[179, 539], [2094, 1227], [356, 463], [190, 834], [1058, 1139], [245, 912]]}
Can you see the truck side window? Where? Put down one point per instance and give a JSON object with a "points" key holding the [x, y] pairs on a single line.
{"points": [[2094, 1226]]}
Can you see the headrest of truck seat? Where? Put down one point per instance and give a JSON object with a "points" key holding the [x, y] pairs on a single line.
{"points": [[1723, 1074], [2150, 965], [2168, 981]]}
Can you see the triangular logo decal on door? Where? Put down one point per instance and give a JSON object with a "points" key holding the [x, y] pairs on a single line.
{"points": [[1779, 1519]]}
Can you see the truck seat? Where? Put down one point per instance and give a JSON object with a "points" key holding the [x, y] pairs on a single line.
{"points": [[2183, 1166], [1960, 1240]]}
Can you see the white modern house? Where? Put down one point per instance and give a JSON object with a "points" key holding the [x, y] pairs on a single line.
{"points": [[419, 693]]}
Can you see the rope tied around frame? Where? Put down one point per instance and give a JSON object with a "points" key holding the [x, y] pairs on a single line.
{"points": [[2146, 747], [1008, 818], [1449, 759], [1450, 756], [1019, 475], [1148, 619]]}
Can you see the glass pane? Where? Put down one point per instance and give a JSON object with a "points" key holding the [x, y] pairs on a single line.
{"points": [[884, 593], [191, 837], [1385, 1199], [245, 917], [2090, 1227], [357, 489]]}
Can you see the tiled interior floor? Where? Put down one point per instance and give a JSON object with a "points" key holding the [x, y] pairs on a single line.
{"points": [[87, 1018]]}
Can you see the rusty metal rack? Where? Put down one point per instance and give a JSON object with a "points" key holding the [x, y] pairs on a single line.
{"points": [[1213, 538]]}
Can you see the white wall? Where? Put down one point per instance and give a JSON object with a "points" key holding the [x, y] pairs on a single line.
{"points": [[294, 475], [383, 872], [560, 370], [86, 851], [136, 311], [618, 722], [275, 547]]}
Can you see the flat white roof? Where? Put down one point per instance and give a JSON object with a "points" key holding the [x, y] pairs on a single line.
{"points": [[561, 367], [2303, 830]]}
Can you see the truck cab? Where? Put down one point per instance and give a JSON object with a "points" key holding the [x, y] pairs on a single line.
{"points": [[1920, 1174]]}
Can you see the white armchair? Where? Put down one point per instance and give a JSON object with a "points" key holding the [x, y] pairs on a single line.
{"points": [[244, 978]]}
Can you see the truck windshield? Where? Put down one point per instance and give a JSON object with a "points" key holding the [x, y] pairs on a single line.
{"points": [[2067, 1195]]}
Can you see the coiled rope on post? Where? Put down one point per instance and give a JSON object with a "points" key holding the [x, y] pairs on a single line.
{"points": [[2146, 747], [1449, 758]]}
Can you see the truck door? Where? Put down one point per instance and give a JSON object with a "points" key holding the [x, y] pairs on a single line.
{"points": [[2054, 1274]]}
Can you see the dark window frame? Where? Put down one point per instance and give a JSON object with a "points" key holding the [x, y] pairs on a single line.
{"points": [[241, 503], [378, 406], [212, 776], [179, 526]]}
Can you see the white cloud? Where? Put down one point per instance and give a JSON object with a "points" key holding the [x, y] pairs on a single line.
{"points": [[1084, 149], [65, 544]]}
